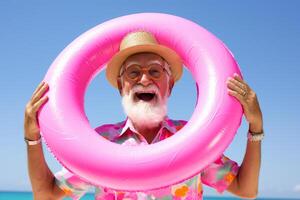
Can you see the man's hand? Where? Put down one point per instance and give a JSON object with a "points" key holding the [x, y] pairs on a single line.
{"points": [[246, 183], [247, 97], [31, 127]]}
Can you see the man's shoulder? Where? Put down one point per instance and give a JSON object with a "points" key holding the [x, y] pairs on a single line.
{"points": [[110, 129], [174, 125], [176, 121]]}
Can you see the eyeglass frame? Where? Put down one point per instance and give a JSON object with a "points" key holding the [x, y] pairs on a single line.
{"points": [[162, 66]]}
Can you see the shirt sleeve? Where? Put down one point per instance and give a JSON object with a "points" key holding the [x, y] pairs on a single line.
{"points": [[71, 184], [220, 173]]}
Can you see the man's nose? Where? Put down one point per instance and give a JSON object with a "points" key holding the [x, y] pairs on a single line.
{"points": [[145, 80]]}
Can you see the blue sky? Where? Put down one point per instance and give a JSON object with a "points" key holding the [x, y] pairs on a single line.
{"points": [[263, 36]]}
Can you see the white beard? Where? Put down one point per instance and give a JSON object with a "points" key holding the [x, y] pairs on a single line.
{"points": [[145, 114]]}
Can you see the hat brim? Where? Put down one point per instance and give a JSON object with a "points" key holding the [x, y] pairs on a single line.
{"points": [[114, 65]]}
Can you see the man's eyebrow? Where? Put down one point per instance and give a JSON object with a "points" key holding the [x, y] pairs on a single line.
{"points": [[155, 61], [129, 63]]}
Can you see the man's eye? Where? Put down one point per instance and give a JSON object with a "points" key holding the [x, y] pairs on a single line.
{"points": [[155, 72], [134, 73]]}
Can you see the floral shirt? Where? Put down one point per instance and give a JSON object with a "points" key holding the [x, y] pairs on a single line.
{"points": [[218, 174]]}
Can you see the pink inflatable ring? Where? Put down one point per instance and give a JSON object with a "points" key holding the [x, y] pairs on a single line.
{"points": [[80, 149]]}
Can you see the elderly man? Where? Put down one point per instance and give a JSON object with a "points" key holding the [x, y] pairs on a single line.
{"points": [[144, 73]]}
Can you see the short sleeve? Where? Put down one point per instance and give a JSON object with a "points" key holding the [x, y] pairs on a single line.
{"points": [[71, 184], [220, 173]]}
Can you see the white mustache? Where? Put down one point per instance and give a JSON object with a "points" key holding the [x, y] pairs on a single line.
{"points": [[149, 89]]}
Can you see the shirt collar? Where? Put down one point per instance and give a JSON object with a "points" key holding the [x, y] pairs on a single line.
{"points": [[128, 125]]}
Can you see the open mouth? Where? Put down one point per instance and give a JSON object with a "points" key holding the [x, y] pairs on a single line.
{"points": [[145, 96]]}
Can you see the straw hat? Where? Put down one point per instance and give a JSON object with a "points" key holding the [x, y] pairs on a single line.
{"points": [[138, 42]]}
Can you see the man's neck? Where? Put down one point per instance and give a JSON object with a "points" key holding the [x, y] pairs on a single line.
{"points": [[148, 133]]}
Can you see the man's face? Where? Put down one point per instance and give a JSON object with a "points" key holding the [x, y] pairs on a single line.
{"points": [[144, 96], [164, 83]]}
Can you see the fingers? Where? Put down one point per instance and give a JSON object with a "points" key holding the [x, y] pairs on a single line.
{"points": [[36, 100], [242, 82], [38, 88], [236, 86], [42, 88], [237, 95], [239, 81], [237, 77], [39, 103], [32, 107]]}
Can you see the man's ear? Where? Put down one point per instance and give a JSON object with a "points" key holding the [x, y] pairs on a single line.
{"points": [[119, 85], [171, 85]]}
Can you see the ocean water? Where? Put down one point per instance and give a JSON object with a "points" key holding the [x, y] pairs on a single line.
{"points": [[28, 196]]}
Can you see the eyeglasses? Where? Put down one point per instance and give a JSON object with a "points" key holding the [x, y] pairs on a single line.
{"points": [[134, 72]]}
